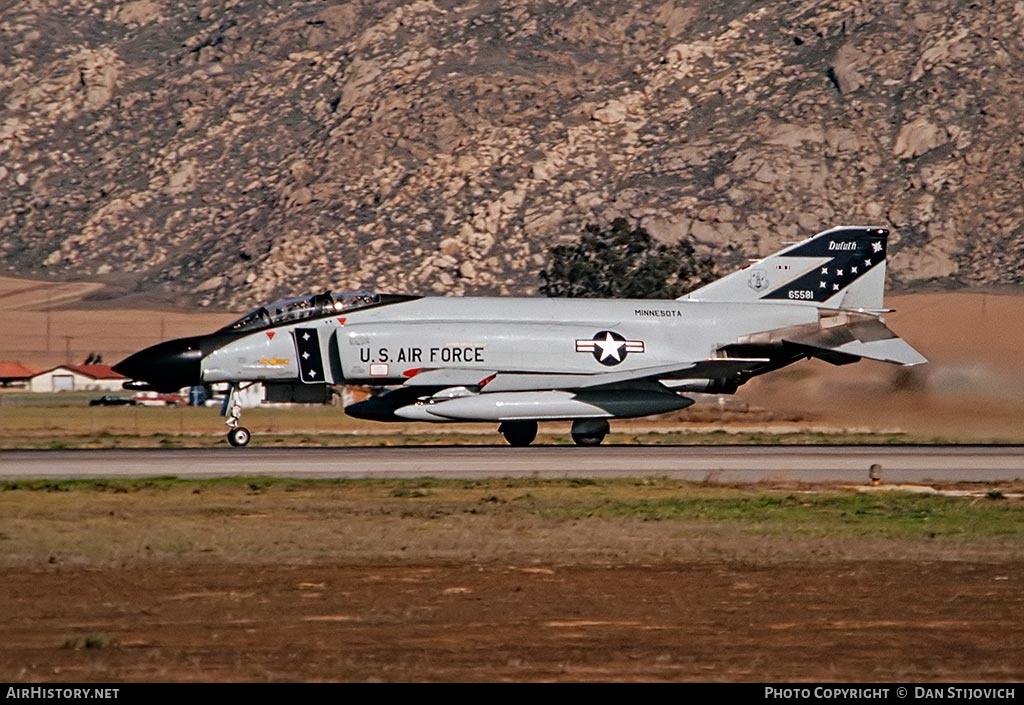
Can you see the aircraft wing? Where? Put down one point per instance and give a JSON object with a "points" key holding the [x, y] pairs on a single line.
{"points": [[449, 377], [530, 381], [490, 381]]}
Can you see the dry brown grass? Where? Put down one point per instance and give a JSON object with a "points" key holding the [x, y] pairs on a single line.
{"points": [[488, 581]]}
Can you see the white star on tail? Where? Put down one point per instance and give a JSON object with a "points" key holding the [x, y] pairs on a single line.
{"points": [[876, 247]]}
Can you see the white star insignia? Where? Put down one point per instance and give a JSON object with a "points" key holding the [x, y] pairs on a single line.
{"points": [[821, 285], [835, 287], [312, 373], [867, 263], [853, 270], [305, 336], [839, 272], [824, 270], [610, 347], [305, 355], [876, 246]]}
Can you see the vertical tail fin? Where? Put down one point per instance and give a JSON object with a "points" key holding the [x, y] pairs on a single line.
{"points": [[839, 268]]}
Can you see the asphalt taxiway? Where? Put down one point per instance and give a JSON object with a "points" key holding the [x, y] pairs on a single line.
{"points": [[726, 464]]}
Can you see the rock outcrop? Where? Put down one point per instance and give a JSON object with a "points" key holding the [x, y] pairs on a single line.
{"points": [[233, 151]]}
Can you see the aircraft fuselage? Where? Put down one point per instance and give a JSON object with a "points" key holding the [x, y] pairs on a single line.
{"points": [[387, 345]]}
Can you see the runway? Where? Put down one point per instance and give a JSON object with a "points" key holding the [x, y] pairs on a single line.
{"points": [[724, 464]]}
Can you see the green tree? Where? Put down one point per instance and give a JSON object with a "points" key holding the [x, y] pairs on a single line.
{"points": [[623, 262]]}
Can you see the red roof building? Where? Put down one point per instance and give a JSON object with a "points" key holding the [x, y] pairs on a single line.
{"points": [[95, 371], [15, 374], [66, 378]]}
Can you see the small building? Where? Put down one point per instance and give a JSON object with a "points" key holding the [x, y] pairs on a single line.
{"points": [[77, 378], [15, 374]]}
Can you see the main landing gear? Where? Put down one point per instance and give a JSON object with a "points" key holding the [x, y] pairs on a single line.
{"points": [[585, 432], [518, 433], [589, 432], [238, 436]]}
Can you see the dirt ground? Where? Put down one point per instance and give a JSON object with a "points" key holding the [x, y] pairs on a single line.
{"points": [[505, 582], [702, 621]]}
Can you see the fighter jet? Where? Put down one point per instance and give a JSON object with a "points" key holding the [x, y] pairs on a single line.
{"points": [[519, 361]]}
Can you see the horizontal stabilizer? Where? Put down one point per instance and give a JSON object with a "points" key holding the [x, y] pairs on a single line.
{"points": [[851, 335], [895, 350]]}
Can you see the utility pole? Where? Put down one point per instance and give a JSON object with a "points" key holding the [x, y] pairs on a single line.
{"points": [[67, 349], [49, 303]]}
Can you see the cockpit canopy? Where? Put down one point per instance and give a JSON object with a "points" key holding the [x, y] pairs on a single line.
{"points": [[329, 303]]}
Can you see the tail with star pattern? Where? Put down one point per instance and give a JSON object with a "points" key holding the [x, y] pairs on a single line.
{"points": [[841, 268]]}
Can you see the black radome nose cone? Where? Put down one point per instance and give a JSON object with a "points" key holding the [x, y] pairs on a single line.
{"points": [[167, 366]]}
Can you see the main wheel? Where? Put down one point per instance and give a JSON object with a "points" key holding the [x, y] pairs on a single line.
{"points": [[588, 440], [589, 432], [518, 433], [239, 437]]}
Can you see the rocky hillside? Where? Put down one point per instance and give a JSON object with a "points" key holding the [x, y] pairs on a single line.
{"points": [[227, 152]]}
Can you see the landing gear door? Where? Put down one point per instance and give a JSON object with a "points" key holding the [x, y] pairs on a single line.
{"points": [[310, 356]]}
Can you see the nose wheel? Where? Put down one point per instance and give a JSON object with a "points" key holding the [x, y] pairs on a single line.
{"points": [[238, 436]]}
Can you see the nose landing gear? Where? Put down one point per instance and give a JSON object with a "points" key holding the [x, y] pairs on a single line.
{"points": [[238, 436]]}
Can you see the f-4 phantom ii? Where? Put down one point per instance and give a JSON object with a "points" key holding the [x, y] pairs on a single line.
{"points": [[518, 361]]}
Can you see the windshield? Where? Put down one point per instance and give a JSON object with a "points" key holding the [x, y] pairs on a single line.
{"points": [[311, 306]]}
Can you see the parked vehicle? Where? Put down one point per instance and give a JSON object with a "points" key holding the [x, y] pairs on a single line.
{"points": [[159, 399], [112, 400]]}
